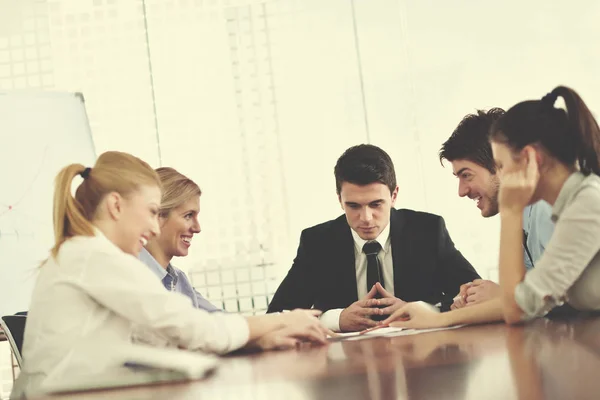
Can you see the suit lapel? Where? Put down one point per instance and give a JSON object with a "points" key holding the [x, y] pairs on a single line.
{"points": [[344, 262], [400, 253]]}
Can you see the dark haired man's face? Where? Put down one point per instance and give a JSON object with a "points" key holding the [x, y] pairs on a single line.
{"points": [[479, 184], [367, 207]]}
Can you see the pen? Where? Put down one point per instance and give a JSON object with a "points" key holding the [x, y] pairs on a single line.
{"points": [[381, 326]]}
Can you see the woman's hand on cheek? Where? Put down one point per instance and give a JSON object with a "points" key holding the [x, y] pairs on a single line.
{"points": [[517, 187]]}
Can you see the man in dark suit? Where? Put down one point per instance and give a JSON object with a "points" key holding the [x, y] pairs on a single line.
{"points": [[375, 253]]}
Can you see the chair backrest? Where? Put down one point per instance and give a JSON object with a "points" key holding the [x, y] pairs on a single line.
{"points": [[14, 329]]}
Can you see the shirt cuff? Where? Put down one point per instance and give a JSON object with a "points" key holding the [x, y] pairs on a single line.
{"points": [[532, 302], [237, 328], [331, 319]]}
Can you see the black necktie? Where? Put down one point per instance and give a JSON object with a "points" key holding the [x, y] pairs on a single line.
{"points": [[374, 272]]}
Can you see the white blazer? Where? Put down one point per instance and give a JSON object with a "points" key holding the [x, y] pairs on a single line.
{"points": [[86, 301]]}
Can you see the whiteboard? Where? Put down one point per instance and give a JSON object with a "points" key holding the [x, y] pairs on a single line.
{"points": [[40, 133]]}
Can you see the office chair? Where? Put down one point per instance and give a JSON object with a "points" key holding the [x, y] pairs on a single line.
{"points": [[14, 328]]}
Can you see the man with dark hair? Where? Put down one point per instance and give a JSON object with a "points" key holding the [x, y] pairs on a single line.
{"points": [[373, 252], [470, 153]]}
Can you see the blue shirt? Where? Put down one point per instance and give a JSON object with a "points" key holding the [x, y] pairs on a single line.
{"points": [[537, 228], [176, 280]]}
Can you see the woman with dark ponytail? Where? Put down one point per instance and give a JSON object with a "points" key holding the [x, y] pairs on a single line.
{"points": [[542, 152]]}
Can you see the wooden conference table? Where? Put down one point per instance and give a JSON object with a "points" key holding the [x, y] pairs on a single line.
{"points": [[540, 360]]}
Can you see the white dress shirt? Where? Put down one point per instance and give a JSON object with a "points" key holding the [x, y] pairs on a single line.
{"points": [[331, 318], [86, 300]]}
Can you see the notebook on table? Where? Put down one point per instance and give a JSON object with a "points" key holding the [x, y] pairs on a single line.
{"points": [[142, 365]]}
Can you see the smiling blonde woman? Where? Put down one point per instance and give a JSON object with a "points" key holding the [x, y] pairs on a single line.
{"points": [[178, 220]]}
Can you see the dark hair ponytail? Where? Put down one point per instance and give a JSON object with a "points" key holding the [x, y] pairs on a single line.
{"points": [[583, 125], [570, 136]]}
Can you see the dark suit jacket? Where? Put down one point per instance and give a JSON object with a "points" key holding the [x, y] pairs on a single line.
{"points": [[427, 266]]}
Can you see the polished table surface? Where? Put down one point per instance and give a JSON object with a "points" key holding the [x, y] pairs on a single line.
{"points": [[540, 360]]}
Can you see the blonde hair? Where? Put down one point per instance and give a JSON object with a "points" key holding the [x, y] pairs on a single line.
{"points": [[177, 189], [113, 172]]}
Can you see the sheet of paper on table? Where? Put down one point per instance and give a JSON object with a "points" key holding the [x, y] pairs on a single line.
{"points": [[388, 332]]}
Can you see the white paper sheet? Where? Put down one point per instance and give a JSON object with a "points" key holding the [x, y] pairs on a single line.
{"points": [[388, 332]]}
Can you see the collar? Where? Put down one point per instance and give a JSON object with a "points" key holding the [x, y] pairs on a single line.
{"points": [[383, 239], [144, 256], [566, 192], [151, 262]]}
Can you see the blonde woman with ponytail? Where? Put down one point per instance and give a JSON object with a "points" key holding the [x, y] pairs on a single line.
{"points": [[93, 289]]}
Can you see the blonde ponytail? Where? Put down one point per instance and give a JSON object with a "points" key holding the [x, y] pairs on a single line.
{"points": [[113, 172], [69, 217]]}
